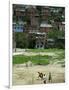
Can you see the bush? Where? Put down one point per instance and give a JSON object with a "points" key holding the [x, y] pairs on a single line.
{"points": [[21, 40]]}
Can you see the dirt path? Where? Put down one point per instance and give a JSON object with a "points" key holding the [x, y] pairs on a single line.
{"points": [[28, 75], [33, 53]]}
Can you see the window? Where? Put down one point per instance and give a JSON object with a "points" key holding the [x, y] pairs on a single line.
{"points": [[18, 27], [15, 27], [41, 45], [37, 46]]}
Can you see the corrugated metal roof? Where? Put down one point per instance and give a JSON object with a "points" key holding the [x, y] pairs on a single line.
{"points": [[50, 39], [39, 33], [63, 22], [45, 25], [20, 22]]}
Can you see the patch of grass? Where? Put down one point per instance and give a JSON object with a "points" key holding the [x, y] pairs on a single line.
{"points": [[41, 62], [45, 50], [61, 55], [38, 59], [61, 62]]}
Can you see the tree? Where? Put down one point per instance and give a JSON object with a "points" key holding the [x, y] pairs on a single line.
{"points": [[21, 40], [57, 15], [55, 33]]}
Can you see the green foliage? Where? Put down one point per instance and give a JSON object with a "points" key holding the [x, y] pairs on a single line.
{"points": [[32, 40], [26, 19], [60, 43], [55, 33], [21, 40], [56, 14]]}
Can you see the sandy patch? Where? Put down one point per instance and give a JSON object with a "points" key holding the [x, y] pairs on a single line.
{"points": [[28, 75], [33, 53]]}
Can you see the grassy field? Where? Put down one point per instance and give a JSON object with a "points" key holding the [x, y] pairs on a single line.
{"points": [[40, 59]]}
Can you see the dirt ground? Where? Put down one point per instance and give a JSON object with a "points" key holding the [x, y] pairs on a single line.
{"points": [[22, 75], [33, 53], [29, 75]]}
